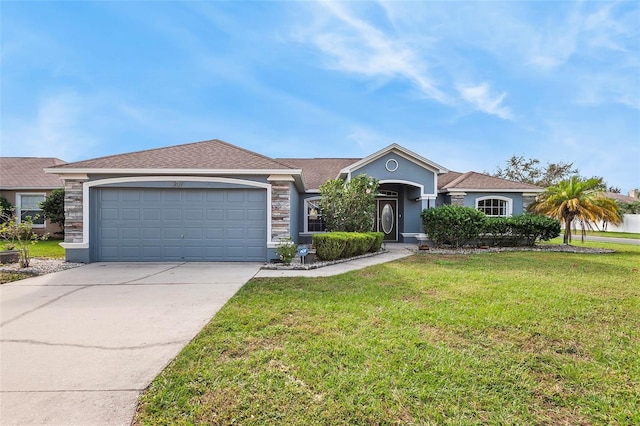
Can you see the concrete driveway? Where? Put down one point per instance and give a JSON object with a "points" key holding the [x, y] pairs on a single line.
{"points": [[78, 346]]}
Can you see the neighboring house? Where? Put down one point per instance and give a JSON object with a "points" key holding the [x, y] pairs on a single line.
{"points": [[24, 184], [213, 201], [621, 198]]}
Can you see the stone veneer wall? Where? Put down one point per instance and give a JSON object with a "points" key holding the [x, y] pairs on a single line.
{"points": [[457, 199], [526, 200], [280, 210], [73, 211]]}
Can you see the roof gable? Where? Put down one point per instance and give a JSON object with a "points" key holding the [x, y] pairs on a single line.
{"points": [[208, 155], [400, 151], [28, 173]]}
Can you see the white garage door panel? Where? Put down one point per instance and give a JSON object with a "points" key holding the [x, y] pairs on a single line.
{"points": [[152, 224]]}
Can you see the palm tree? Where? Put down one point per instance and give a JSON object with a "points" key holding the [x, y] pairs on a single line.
{"points": [[576, 199]]}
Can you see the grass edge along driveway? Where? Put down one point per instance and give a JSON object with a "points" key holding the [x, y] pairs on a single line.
{"points": [[515, 338]]}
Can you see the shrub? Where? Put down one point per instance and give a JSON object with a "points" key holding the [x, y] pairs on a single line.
{"points": [[329, 246], [532, 227], [53, 207], [356, 243], [522, 229], [453, 225], [339, 245], [349, 206], [378, 238], [5, 206], [19, 235], [286, 250]]}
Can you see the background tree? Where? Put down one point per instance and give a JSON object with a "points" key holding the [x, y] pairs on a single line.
{"points": [[579, 199], [530, 170], [629, 208], [5, 206], [349, 206], [53, 207]]}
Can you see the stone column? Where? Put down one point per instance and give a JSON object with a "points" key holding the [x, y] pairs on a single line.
{"points": [[457, 198], [280, 207], [527, 199], [73, 220]]}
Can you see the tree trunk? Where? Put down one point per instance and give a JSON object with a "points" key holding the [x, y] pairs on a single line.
{"points": [[567, 230]]}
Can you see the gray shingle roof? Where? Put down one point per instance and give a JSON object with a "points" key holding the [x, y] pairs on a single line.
{"points": [[620, 197], [316, 171], [480, 181], [214, 155], [28, 173], [219, 155]]}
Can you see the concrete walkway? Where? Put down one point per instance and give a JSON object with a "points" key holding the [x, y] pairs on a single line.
{"points": [[78, 346], [394, 251], [632, 241]]}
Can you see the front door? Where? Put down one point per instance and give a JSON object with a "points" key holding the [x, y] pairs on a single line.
{"points": [[387, 218]]}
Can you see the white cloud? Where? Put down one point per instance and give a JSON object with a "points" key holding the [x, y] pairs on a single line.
{"points": [[480, 98], [55, 130], [359, 47]]}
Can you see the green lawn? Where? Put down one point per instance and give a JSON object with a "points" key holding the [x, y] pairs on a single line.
{"points": [[494, 338], [48, 248]]}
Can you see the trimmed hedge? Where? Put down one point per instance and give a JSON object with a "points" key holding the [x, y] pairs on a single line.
{"points": [[377, 243], [459, 226], [342, 245], [453, 225], [524, 229]]}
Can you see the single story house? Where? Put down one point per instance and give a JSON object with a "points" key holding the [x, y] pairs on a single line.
{"points": [[213, 201], [24, 184]]}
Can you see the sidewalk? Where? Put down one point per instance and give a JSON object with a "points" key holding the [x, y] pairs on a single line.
{"points": [[394, 251]]}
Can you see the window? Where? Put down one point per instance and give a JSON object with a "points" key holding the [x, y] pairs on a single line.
{"points": [[28, 206], [494, 206], [314, 222]]}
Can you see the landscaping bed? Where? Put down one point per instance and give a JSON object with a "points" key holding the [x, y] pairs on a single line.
{"points": [[38, 266]]}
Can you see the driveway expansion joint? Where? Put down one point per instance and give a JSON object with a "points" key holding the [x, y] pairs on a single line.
{"points": [[55, 299], [155, 273]]}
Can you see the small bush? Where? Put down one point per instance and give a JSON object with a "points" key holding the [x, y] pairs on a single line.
{"points": [[286, 250], [523, 229], [532, 227], [356, 244], [340, 245], [378, 238], [453, 225], [329, 246]]}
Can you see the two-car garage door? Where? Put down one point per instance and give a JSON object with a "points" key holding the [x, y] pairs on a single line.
{"points": [[156, 224]]}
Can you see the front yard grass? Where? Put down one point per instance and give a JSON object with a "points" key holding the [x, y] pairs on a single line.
{"points": [[493, 338], [50, 249]]}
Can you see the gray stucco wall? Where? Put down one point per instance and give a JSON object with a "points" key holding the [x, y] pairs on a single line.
{"points": [[296, 212], [406, 171]]}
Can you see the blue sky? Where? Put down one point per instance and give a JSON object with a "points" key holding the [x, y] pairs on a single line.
{"points": [[465, 84]]}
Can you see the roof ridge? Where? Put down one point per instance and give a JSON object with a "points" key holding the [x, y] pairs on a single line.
{"points": [[179, 146], [230, 145], [318, 158], [459, 179]]}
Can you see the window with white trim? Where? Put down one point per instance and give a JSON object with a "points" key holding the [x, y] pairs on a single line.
{"points": [[495, 206], [28, 205], [313, 220]]}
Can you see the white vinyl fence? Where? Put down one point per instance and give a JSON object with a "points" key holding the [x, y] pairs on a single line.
{"points": [[630, 223]]}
